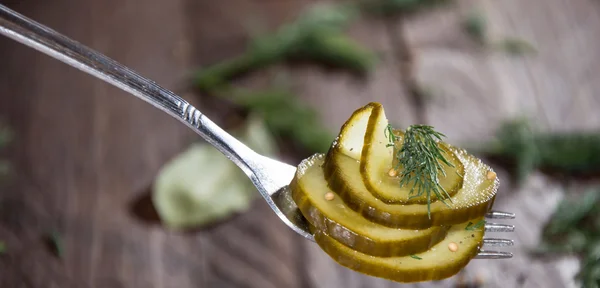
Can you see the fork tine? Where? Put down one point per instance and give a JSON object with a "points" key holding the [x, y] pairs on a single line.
{"points": [[496, 227], [500, 215], [498, 242], [493, 255]]}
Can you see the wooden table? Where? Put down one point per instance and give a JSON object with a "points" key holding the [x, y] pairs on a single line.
{"points": [[85, 150]]}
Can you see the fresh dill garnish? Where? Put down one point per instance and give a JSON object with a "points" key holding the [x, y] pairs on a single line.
{"points": [[416, 257], [419, 161], [389, 133], [473, 227]]}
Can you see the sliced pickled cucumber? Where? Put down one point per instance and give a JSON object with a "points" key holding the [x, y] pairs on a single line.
{"points": [[473, 200], [377, 159], [347, 142], [435, 264], [333, 217], [342, 171]]}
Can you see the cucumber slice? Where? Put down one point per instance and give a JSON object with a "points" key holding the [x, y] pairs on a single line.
{"points": [[435, 264], [473, 200], [335, 219], [377, 159], [342, 171], [347, 142]]}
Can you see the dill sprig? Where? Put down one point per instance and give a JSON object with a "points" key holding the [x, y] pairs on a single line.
{"points": [[419, 161], [473, 227]]}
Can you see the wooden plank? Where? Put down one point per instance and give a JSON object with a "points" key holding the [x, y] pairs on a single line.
{"points": [[81, 164], [255, 249], [481, 89], [336, 96], [85, 149]]}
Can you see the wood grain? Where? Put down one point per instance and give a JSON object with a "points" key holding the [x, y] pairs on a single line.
{"points": [[85, 150], [483, 88]]}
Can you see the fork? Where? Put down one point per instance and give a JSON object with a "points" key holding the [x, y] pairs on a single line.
{"points": [[271, 177]]}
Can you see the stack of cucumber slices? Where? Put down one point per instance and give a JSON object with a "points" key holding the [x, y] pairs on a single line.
{"points": [[366, 221]]}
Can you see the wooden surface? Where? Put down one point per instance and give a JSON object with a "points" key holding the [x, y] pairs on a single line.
{"points": [[86, 150]]}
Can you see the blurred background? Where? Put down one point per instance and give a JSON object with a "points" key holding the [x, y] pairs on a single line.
{"points": [[100, 189]]}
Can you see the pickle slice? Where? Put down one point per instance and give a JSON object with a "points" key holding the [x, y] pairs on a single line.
{"points": [[347, 142], [473, 200], [333, 217], [377, 159], [342, 171], [436, 263]]}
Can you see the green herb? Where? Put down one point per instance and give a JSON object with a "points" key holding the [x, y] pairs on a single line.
{"points": [[573, 153], [416, 257], [389, 133], [575, 228], [285, 115], [515, 46], [473, 227], [475, 25], [317, 35], [57, 244], [420, 160], [2, 247], [393, 7]]}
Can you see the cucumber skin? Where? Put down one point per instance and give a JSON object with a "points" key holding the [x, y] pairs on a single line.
{"points": [[358, 242], [328, 245], [448, 217]]}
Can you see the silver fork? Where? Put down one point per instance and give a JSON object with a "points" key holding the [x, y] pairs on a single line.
{"points": [[270, 177]]}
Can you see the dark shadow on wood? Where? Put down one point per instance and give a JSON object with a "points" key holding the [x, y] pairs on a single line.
{"points": [[142, 209]]}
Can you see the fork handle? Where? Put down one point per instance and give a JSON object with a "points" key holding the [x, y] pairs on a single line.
{"points": [[52, 43]]}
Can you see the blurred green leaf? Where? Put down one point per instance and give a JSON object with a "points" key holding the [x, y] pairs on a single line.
{"points": [[475, 25], [589, 273], [201, 186], [285, 115], [2, 247], [393, 7], [57, 244], [516, 46], [571, 153], [337, 50], [316, 35], [569, 231], [571, 211]]}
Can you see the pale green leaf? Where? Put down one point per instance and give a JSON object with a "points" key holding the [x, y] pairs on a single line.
{"points": [[201, 186]]}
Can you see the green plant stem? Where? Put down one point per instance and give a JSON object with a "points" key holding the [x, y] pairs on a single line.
{"points": [[284, 114], [575, 153]]}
